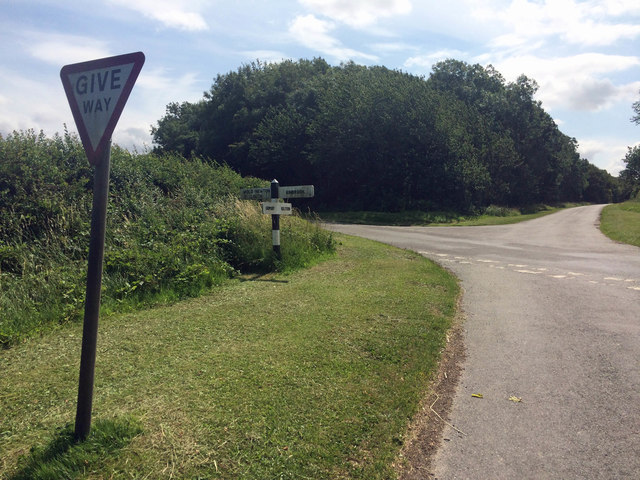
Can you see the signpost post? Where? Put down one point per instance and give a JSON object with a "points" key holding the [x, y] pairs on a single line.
{"points": [[275, 219], [97, 92], [274, 207]]}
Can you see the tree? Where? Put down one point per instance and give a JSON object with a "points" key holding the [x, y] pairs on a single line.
{"points": [[636, 108], [379, 139], [178, 130], [630, 176], [602, 187]]}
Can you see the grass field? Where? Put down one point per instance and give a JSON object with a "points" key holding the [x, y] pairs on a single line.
{"points": [[314, 374], [621, 222], [492, 216]]}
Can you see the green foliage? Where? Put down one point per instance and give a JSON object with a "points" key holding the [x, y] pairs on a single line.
{"points": [[601, 186], [173, 231], [62, 457], [375, 139], [178, 128], [497, 211], [631, 174]]}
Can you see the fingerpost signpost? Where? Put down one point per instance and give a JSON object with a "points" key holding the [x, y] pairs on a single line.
{"points": [[272, 206], [97, 91]]}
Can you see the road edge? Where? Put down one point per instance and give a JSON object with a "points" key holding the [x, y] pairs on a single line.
{"points": [[425, 431]]}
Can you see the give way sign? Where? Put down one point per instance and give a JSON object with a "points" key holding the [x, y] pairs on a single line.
{"points": [[97, 92]]}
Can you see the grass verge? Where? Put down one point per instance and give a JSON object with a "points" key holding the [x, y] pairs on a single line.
{"points": [[64, 458], [492, 215], [314, 374], [621, 222]]}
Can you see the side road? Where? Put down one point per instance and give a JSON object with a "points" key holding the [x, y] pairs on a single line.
{"points": [[553, 347]]}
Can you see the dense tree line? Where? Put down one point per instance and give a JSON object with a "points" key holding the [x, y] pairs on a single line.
{"points": [[378, 139]]}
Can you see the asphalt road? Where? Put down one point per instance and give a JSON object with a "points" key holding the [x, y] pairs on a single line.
{"points": [[552, 317]]}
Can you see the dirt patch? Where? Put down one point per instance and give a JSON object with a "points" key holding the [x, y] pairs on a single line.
{"points": [[424, 434]]}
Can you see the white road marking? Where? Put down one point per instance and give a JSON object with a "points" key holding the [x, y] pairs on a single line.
{"points": [[531, 270]]}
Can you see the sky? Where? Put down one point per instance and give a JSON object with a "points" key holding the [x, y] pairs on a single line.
{"points": [[584, 55]]}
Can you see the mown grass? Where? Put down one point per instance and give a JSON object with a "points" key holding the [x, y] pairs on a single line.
{"points": [[313, 374], [63, 457], [492, 215], [621, 222], [516, 217]]}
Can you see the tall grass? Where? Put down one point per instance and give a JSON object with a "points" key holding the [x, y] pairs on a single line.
{"points": [[175, 228]]}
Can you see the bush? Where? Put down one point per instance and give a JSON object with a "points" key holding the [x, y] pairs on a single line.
{"points": [[496, 211], [175, 228]]}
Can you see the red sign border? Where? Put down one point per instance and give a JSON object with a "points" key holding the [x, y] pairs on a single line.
{"points": [[137, 58]]}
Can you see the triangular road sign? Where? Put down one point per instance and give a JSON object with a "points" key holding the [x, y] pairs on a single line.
{"points": [[97, 92]]}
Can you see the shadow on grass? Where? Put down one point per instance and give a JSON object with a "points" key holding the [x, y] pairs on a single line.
{"points": [[261, 278], [64, 458]]}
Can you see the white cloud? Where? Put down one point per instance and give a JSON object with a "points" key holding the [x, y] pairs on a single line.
{"points": [[578, 82], [31, 103], [573, 22], [590, 148], [172, 14], [591, 33], [617, 7], [606, 153], [134, 138], [358, 13], [393, 47], [62, 49], [157, 79], [428, 60], [269, 56], [314, 33]]}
